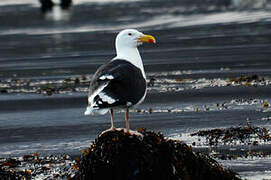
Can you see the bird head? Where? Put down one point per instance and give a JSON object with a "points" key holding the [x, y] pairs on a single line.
{"points": [[133, 38]]}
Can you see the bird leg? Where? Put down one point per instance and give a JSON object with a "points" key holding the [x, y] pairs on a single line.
{"points": [[112, 123], [112, 119], [130, 132], [127, 120]]}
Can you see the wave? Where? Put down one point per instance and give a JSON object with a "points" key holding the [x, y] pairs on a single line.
{"points": [[36, 2], [158, 22]]}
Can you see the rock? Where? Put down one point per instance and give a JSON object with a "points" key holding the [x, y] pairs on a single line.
{"points": [[33, 166], [242, 134], [266, 104], [151, 82], [118, 155], [12, 175], [246, 78], [3, 91]]}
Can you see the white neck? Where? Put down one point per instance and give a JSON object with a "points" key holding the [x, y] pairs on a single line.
{"points": [[132, 55]]}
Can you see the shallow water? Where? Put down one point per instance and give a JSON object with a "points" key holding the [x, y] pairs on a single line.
{"points": [[199, 47]]}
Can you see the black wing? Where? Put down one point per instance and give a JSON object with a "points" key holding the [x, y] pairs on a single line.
{"points": [[119, 83]]}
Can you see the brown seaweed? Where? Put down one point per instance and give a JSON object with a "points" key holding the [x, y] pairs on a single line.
{"points": [[118, 155], [244, 134]]}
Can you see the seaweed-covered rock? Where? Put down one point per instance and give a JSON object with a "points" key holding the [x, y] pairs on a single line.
{"points": [[117, 155], [11, 174], [46, 87], [33, 166], [251, 78], [247, 134]]}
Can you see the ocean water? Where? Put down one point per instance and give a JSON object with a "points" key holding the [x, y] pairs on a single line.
{"points": [[200, 46]]}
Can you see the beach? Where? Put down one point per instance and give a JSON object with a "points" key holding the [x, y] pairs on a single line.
{"points": [[210, 68]]}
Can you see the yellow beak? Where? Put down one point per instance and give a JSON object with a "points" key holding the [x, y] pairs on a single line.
{"points": [[147, 38]]}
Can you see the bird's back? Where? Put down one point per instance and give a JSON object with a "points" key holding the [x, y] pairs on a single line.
{"points": [[116, 83]]}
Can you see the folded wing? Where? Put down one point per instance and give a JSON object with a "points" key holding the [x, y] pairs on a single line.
{"points": [[115, 84]]}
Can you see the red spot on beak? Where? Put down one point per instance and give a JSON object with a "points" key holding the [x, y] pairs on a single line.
{"points": [[151, 41]]}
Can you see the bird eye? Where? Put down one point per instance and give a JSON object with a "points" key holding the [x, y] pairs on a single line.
{"points": [[130, 34]]}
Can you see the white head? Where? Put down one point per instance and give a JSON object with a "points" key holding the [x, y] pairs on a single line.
{"points": [[131, 38], [126, 46]]}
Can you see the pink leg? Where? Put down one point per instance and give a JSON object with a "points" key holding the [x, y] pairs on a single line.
{"points": [[112, 119], [127, 119]]}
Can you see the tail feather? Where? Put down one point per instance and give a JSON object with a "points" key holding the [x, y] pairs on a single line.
{"points": [[91, 111]]}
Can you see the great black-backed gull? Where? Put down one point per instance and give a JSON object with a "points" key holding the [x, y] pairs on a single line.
{"points": [[120, 83]]}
